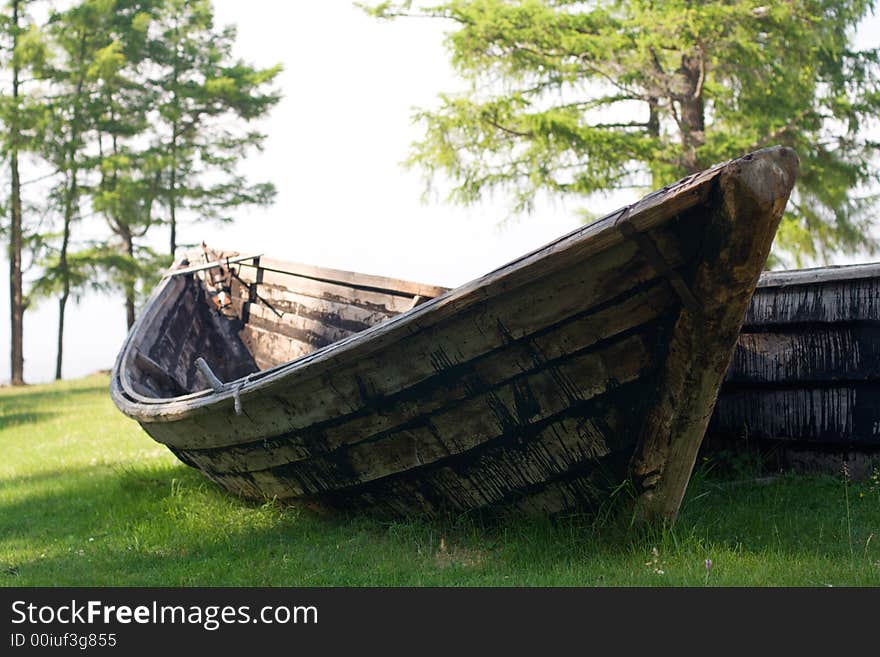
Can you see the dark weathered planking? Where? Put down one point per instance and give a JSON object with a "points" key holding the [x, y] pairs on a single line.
{"points": [[806, 371], [835, 415], [529, 398], [815, 303], [807, 355], [463, 380], [537, 387]]}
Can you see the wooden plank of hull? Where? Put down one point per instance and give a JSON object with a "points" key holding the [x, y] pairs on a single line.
{"points": [[512, 408], [824, 353], [590, 438], [842, 415], [220, 346], [451, 385], [294, 288], [279, 307], [348, 279], [266, 345], [542, 476], [309, 333], [722, 223]]}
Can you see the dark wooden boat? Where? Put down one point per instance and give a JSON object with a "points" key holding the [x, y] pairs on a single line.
{"points": [[541, 386], [804, 383]]}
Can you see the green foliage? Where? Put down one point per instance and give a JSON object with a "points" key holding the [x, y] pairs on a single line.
{"points": [[205, 102], [87, 269], [22, 118], [574, 98], [141, 116]]}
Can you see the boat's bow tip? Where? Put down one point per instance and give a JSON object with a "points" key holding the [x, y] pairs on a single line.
{"points": [[770, 173]]}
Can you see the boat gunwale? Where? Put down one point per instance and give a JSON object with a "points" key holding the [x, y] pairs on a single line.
{"points": [[649, 212]]}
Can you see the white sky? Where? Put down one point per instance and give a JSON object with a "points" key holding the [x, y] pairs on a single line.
{"points": [[335, 142]]}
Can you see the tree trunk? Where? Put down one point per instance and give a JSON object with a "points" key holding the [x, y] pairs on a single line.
{"points": [[172, 187], [71, 206], [16, 298], [63, 267], [129, 284], [692, 121], [653, 128], [172, 204], [62, 302], [129, 307]]}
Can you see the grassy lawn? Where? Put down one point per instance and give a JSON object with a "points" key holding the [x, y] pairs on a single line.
{"points": [[86, 498]]}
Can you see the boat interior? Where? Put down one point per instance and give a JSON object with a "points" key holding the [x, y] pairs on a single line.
{"points": [[223, 316]]}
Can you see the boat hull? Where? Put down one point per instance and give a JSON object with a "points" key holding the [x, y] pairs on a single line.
{"points": [[543, 386]]}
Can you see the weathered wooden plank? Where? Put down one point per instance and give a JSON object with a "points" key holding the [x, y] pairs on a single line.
{"points": [[824, 353], [308, 328], [836, 301], [831, 415], [276, 305], [271, 281], [349, 279], [485, 372], [537, 476], [819, 275], [270, 348], [162, 379], [481, 477], [484, 416], [311, 332]]}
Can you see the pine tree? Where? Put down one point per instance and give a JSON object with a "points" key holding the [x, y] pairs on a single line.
{"points": [[145, 117], [79, 34], [206, 103], [572, 98], [19, 117]]}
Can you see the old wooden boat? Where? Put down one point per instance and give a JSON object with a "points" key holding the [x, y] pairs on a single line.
{"points": [[804, 384], [541, 386]]}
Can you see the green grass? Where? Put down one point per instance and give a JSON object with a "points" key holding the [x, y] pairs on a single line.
{"points": [[86, 498]]}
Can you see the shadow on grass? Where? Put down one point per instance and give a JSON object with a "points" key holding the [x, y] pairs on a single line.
{"points": [[30, 397], [19, 418]]}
